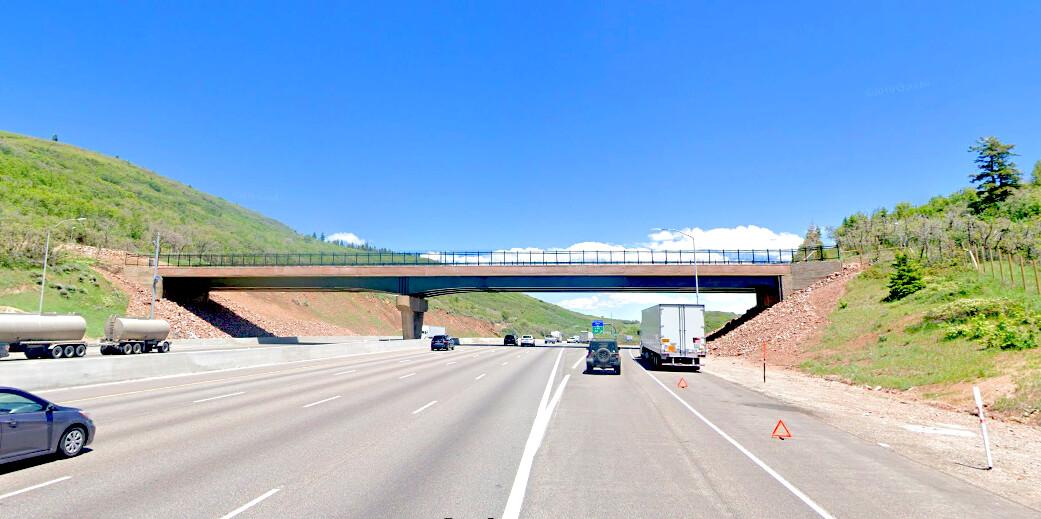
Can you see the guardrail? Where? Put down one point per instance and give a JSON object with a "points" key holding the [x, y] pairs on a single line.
{"points": [[503, 257]]}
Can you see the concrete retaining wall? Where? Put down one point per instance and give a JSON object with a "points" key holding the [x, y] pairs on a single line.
{"points": [[807, 273], [58, 373]]}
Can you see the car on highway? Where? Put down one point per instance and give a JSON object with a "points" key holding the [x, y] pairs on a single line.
{"points": [[509, 340], [454, 341], [572, 340], [441, 342], [603, 354], [549, 339], [527, 340], [31, 426]]}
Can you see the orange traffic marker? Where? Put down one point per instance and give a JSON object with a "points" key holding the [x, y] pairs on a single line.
{"points": [[682, 383], [780, 431]]}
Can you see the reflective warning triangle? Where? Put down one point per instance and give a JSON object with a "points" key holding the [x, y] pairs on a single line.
{"points": [[682, 383], [781, 431]]}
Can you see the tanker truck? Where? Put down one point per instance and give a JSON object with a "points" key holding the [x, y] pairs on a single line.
{"points": [[43, 336], [127, 336]]}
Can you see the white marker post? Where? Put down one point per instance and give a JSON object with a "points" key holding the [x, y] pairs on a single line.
{"points": [[983, 425]]}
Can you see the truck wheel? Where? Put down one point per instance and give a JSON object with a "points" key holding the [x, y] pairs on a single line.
{"points": [[69, 351], [72, 442], [164, 348], [127, 349], [137, 348], [81, 350], [55, 352]]}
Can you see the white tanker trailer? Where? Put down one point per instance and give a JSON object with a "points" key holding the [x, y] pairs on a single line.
{"points": [[126, 336], [43, 336]]}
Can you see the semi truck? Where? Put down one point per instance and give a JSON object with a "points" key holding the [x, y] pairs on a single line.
{"points": [[585, 337], [430, 331], [128, 336], [42, 336], [673, 334]]}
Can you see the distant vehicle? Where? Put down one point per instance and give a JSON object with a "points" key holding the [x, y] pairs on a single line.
{"points": [[430, 331], [557, 336], [603, 354], [441, 342], [509, 340], [31, 426], [126, 336], [43, 336], [573, 339], [673, 335], [585, 337], [549, 339], [453, 340], [527, 340]]}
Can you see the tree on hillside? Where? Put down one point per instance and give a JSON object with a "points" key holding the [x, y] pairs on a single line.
{"points": [[1036, 174], [54, 137], [996, 176], [812, 239], [906, 278]]}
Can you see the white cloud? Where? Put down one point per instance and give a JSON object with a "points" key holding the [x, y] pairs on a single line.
{"points": [[347, 237], [729, 238]]}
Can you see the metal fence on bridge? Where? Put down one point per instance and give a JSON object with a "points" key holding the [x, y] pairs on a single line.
{"points": [[501, 258]]}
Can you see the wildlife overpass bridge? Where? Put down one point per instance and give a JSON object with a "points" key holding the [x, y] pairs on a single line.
{"points": [[414, 277]]}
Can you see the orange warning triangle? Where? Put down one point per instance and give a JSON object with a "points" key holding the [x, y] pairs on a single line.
{"points": [[780, 431], [682, 383]]}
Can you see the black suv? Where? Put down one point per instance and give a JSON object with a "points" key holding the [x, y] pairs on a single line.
{"points": [[603, 354], [441, 342], [509, 340]]}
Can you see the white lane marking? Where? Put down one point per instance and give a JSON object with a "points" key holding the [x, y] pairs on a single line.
{"points": [[218, 397], [345, 372], [479, 377], [531, 447], [886, 445], [251, 504], [34, 487], [322, 401], [182, 375], [549, 383], [505, 363], [577, 362], [404, 361], [421, 409], [942, 431], [773, 473], [406, 376], [450, 363], [211, 381]]}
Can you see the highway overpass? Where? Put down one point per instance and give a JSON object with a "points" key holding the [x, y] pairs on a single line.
{"points": [[414, 277]]}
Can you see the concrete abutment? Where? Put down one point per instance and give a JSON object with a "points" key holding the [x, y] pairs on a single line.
{"points": [[412, 310]]}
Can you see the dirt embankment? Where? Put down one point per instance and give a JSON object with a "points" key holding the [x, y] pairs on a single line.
{"points": [[285, 314], [788, 325]]}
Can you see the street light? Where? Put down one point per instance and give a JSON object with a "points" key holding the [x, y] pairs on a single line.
{"points": [[46, 252], [697, 284]]}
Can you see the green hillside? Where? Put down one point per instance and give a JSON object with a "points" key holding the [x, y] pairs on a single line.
{"points": [[44, 182]]}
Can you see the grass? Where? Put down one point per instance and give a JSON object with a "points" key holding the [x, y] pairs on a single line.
{"points": [[890, 344], [71, 288]]}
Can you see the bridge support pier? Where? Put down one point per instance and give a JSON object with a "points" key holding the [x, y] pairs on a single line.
{"points": [[766, 297], [412, 309]]}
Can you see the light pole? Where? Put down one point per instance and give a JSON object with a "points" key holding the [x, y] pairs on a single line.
{"points": [[46, 253], [694, 246]]}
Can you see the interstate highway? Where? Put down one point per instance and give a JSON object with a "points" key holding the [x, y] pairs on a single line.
{"points": [[476, 432]]}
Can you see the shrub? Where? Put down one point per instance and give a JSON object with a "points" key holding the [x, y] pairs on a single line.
{"points": [[994, 323], [905, 279]]}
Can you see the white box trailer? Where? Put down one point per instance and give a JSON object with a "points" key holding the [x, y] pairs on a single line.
{"points": [[430, 331], [673, 334]]}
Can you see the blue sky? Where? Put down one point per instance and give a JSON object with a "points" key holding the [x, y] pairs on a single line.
{"points": [[485, 125]]}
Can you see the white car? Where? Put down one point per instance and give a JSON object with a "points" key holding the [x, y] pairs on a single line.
{"points": [[572, 340], [526, 340], [549, 339]]}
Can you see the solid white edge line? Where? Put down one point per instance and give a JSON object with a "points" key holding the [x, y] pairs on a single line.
{"points": [[345, 372], [251, 504], [449, 363], [406, 376], [773, 473], [34, 487], [322, 401], [479, 377], [549, 383], [580, 359], [421, 409], [515, 502], [505, 363], [178, 375], [218, 397]]}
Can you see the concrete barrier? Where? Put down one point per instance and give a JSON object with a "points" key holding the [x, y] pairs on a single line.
{"points": [[59, 373]]}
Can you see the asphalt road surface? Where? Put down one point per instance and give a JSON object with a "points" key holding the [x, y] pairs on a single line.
{"points": [[475, 432]]}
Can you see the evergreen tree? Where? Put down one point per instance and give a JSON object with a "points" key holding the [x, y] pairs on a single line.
{"points": [[54, 137], [906, 278], [996, 176], [1037, 173]]}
